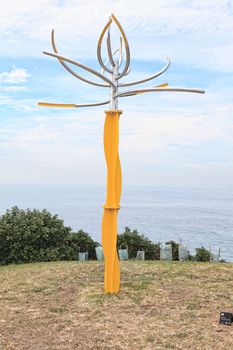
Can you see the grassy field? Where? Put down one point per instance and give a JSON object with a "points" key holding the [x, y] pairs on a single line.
{"points": [[61, 305]]}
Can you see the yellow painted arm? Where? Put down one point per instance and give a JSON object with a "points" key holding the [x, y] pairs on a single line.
{"points": [[63, 105]]}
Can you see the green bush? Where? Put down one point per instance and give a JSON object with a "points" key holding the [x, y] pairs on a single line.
{"points": [[33, 235], [202, 254], [83, 242], [136, 241]]}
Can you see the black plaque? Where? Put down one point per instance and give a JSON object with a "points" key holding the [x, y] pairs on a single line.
{"points": [[226, 318]]}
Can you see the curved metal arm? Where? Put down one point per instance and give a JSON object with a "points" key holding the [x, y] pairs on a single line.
{"points": [[128, 71], [107, 60], [158, 89], [127, 52], [78, 64], [110, 55], [70, 70], [137, 93], [161, 71], [71, 105], [99, 47], [121, 53]]}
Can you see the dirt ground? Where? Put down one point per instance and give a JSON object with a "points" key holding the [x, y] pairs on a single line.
{"points": [[62, 306]]}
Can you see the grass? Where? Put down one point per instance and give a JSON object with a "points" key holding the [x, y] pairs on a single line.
{"points": [[61, 305]]}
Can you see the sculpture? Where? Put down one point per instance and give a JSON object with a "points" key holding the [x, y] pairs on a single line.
{"points": [[111, 131]]}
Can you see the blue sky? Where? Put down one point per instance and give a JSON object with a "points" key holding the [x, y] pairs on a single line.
{"points": [[167, 139]]}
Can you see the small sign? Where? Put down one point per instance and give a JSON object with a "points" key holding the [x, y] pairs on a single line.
{"points": [[226, 318]]}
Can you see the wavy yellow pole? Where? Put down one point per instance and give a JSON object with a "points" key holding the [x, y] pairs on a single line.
{"points": [[112, 205]]}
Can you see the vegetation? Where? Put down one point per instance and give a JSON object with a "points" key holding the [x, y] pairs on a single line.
{"points": [[36, 236], [83, 242], [202, 254], [136, 241], [33, 235]]}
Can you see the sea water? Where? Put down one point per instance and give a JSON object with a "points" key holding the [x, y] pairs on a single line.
{"points": [[194, 217]]}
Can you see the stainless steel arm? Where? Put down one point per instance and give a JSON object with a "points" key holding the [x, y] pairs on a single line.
{"points": [[127, 52], [159, 89], [93, 104], [121, 53], [110, 55], [99, 47], [71, 105], [70, 70], [161, 71], [78, 64], [128, 71], [107, 60]]}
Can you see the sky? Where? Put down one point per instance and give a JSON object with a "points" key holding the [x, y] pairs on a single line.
{"points": [[167, 139]]}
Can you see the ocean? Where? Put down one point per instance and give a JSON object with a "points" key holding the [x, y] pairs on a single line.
{"points": [[195, 217]]}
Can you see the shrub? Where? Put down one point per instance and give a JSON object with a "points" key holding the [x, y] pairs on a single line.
{"points": [[136, 241], [202, 254], [33, 235], [82, 241]]}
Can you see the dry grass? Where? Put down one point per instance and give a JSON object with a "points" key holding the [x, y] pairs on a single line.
{"points": [[61, 305]]}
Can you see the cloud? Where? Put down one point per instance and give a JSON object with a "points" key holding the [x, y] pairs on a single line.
{"points": [[11, 83], [196, 32], [163, 132], [14, 76], [12, 88], [68, 148], [171, 130]]}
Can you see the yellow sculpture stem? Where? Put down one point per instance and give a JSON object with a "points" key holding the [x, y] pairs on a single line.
{"points": [[112, 205]]}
